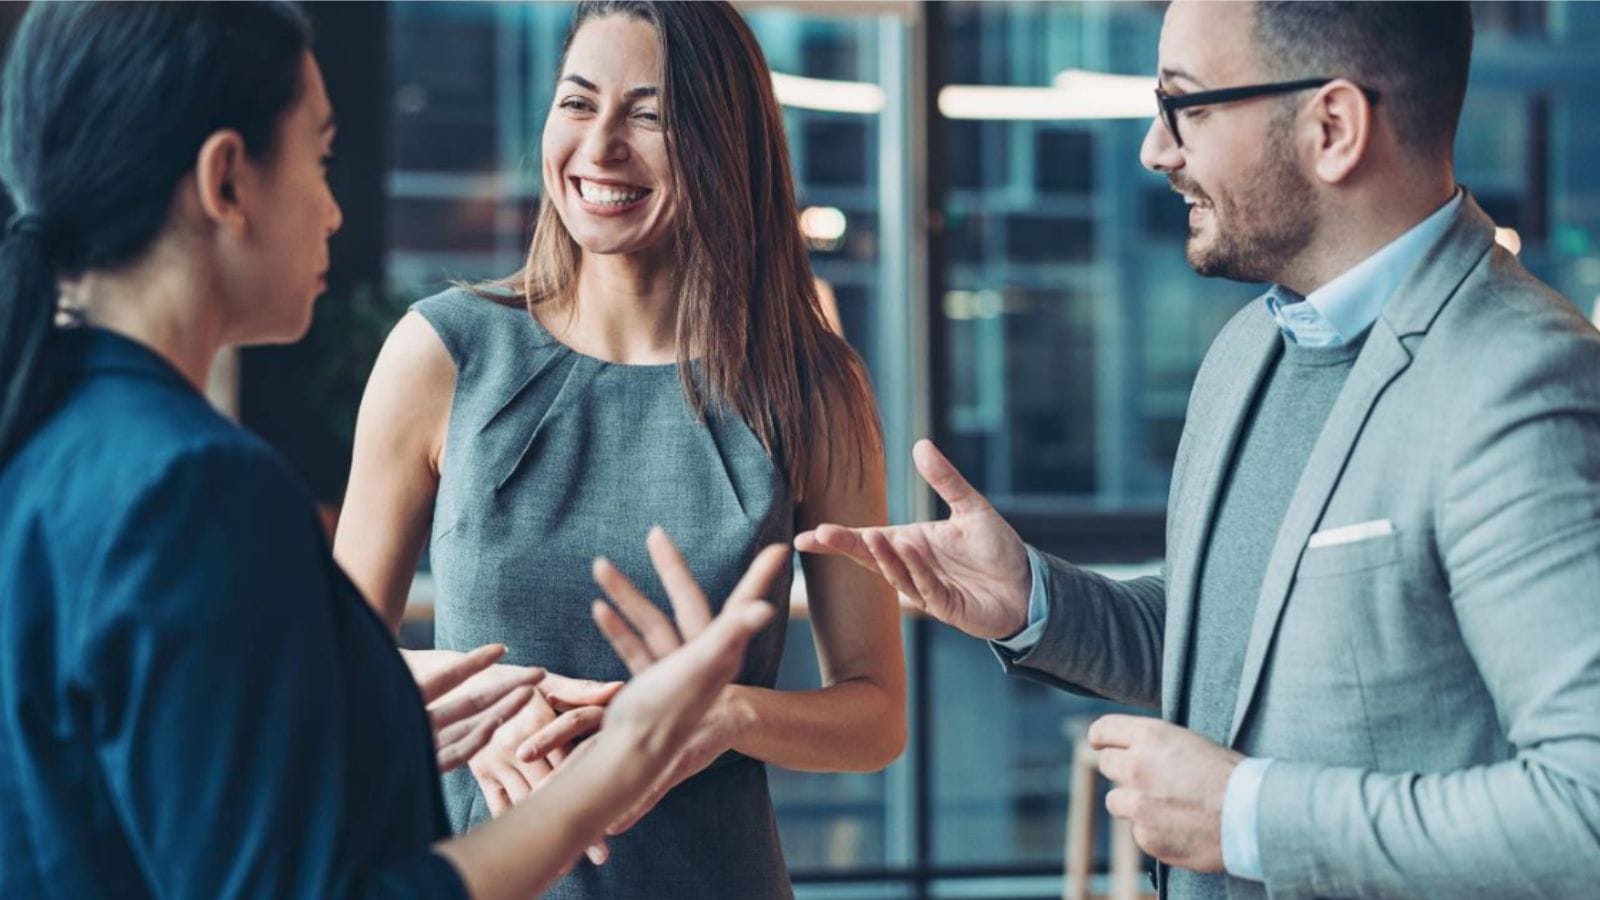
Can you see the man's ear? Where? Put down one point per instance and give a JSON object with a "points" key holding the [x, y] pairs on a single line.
{"points": [[222, 171], [1344, 121]]}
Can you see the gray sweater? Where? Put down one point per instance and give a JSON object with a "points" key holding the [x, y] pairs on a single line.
{"points": [[1288, 415]]}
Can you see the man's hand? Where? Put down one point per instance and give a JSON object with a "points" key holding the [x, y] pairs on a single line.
{"points": [[969, 571], [1169, 783]]}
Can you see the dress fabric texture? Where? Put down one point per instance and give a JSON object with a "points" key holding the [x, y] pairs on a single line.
{"points": [[551, 459]]}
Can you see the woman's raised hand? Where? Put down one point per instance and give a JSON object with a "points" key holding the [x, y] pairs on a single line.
{"points": [[679, 670]]}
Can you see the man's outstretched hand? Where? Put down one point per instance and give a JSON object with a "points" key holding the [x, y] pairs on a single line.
{"points": [[969, 571]]}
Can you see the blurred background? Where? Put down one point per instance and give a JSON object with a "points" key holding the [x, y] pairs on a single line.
{"points": [[1013, 278]]}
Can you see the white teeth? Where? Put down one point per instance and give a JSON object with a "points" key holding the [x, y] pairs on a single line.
{"points": [[609, 196]]}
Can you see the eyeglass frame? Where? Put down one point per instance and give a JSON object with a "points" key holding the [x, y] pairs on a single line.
{"points": [[1170, 104]]}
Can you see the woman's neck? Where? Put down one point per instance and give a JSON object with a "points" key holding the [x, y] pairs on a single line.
{"points": [[161, 306], [624, 310]]}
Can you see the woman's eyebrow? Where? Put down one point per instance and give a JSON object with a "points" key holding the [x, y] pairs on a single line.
{"points": [[648, 90]]}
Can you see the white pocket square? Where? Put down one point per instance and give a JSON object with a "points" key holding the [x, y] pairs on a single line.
{"points": [[1349, 534]]}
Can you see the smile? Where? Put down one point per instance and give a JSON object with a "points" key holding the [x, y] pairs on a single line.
{"points": [[609, 195], [1194, 202]]}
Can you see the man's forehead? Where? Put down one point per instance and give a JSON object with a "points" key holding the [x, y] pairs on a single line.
{"points": [[1207, 44]]}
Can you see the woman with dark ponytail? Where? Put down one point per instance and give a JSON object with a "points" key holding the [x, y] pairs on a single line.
{"points": [[29, 293], [194, 700]]}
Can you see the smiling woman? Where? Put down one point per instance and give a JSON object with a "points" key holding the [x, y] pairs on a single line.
{"points": [[607, 173], [194, 701], [661, 358]]}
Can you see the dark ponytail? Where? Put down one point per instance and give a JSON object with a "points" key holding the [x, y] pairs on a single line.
{"points": [[105, 108], [27, 305]]}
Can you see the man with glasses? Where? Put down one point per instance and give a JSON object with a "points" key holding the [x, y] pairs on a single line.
{"points": [[1375, 644]]}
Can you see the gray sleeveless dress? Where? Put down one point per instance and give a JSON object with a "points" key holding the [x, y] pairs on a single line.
{"points": [[552, 458]]}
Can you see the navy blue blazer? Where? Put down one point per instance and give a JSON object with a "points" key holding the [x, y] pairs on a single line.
{"points": [[194, 700]]}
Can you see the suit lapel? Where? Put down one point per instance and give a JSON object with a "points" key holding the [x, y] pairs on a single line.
{"points": [[1381, 360], [1244, 363], [1416, 303]]}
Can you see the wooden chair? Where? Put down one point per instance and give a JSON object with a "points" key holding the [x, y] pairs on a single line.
{"points": [[1127, 875]]}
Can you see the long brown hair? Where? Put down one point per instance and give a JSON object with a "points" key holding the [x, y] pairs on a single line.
{"points": [[746, 302]]}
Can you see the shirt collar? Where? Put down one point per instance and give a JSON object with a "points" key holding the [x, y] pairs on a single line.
{"points": [[95, 350], [1344, 308]]}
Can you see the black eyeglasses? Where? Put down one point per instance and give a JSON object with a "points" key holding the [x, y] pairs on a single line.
{"points": [[1171, 103]]}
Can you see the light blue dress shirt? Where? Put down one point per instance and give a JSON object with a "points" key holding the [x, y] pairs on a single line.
{"points": [[1333, 315]]}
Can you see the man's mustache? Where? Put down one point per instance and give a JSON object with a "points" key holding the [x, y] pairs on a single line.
{"points": [[1185, 186]]}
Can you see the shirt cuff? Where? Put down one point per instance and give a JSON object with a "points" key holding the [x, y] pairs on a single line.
{"points": [[1241, 814], [1038, 611]]}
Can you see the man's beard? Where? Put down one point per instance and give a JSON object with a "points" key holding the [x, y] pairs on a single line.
{"points": [[1260, 230]]}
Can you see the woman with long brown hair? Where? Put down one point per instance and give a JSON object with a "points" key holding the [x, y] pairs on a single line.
{"points": [[660, 360]]}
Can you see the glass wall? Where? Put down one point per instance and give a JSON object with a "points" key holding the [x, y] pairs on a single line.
{"points": [[1067, 370], [1067, 326]]}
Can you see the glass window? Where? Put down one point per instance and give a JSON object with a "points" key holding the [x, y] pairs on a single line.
{"points": [[1068, 325], [1001, 758], [1073, 326]]}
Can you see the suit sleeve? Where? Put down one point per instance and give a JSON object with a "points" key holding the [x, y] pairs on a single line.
{"points": [[1101, 638], [215, 676], [1518, 529]]}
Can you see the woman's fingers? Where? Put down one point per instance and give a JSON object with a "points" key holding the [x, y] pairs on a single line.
{"points": [[639, 632], [624, 640], [487, 772], [459, 742], [516, 785], [532, 772], [519, 778], [642, 636], [566, 729], [494, 796], [481, 693], [689, 604], [756, 583], [660, 637], [440, 681], [568, 693], [486, 723], [712, 659]]}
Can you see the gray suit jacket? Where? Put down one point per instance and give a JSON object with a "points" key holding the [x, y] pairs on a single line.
{"points": [[1431, 695]]}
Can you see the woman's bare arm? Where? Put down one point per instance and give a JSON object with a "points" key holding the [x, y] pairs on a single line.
{"points": [[856, 720], [394, 472]]}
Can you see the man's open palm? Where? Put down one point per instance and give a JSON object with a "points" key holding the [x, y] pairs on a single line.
{"points": [[969, 571]]}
